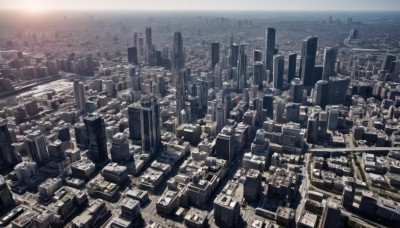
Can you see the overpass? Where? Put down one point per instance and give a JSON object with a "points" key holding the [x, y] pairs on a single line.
{"points": [[355, 149]]}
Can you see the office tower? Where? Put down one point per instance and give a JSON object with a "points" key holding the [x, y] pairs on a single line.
{"points": [[149, 46], [150, 124], [318, 69], [224, 146], [331, 214], [141, 46], [257, 56], [354, 34], [242, 72], [6, 199], [8, 155], [279, 66], [132, 55], [389, 58], [258, 74], [219, 117], [177, 53], [134, 122], [56, 151], [330, 56], [292, 67], [36, 147], [81, 138], [202, 92], [180, 93], [217, 76], [214, 54], [296, 91], [333, 117], [226, 211], [269, 50], [234, 55], [79, 94], [135, 39], [293, 112], [119, 148], [252, 185], [312, 128], [63, 133], [321, 90], [279, 109], [96, 133], [110, 88], [338, 87], [268, 105], [98, 85], [308, 61]]}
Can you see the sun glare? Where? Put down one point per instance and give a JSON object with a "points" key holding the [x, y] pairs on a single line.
{"points": [[33, 6]]}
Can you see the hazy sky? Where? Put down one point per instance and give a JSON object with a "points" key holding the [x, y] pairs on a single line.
{"points": [[45, 5]]}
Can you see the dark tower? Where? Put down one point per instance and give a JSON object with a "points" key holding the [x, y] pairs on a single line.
{"points": [[292, 67], [214, 54], [96, 132], [308, 61]]}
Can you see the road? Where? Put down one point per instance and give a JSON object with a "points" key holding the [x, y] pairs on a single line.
{"points": [[356, 149]]}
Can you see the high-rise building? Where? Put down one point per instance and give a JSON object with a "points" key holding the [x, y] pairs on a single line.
{"points": [[135, 39], [96, 132], [214, 54], [81, 138], [224, 146], [269, 49], [36, 147], [8, 155], [132, 55], [318, 70], [180, 94], [258, 74], [354, 34], [149, 47], [389, 58], [79, 94], [308, 61], [150, 124], [312, 130], [331, 214], [119, 148], [178, 61], [330, 56], [321, 93], [234, 55], [141, 46], [268, 105], [252, 185], [292, 66], [279, 109], [226, 211], [257, 56], [134, 121], [338, 87], [202, 92], [296, 91], [333, 118], [279, 66], [242, 72], [6, 199]]}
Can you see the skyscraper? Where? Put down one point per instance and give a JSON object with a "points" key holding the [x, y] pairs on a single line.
{"points": [[331, 214], [296, 91], [202, 92], [180, 94], [224, 146], [214, 54], [149, 46], [269, 49], [258, 74], [252, 185], [308, 61], [79, 94], [234, 55], [242, 72], [177, 53], [36, 147], [312, 130], [6, 199], [292, 67], [150, 124], [6, 150], [120, 147], [96, 132], [338, 87], [134, 121], [330, 55], [132, 55], [321, 93], [257, 55], [389, 58], [279, 66], [135, 39]]}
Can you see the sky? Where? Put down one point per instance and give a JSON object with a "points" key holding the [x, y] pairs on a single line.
{"points": [[267, 5]]}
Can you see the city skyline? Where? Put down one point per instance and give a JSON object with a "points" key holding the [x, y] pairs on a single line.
{"points": [[38, 6]]}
